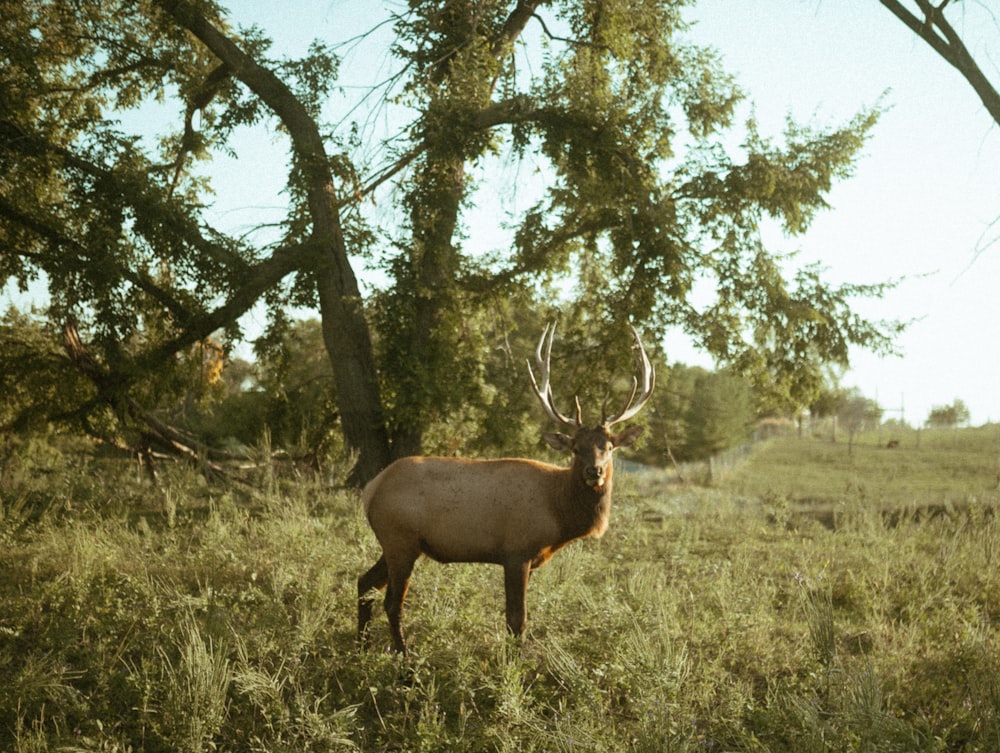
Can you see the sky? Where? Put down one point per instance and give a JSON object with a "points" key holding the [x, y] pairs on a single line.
{"points": [[923, 204]]}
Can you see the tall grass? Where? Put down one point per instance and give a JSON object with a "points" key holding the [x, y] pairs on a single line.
{"points": [[706, 619]]}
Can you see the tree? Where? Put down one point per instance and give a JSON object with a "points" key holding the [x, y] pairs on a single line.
{"points": [[666, 439], [593, 94], [929, 23], [720, 415], [828, 403], [695, 414], [948, 416], [858, 413]]}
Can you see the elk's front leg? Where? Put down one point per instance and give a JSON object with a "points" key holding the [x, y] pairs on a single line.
{"points": [[515, 589]]}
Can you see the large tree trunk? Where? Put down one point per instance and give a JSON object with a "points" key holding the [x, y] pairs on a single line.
{"points": [[435, 200], [348, 343], [434, 261], [345, 330]]}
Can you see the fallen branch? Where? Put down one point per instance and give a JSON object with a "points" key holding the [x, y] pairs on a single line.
{"points": [[172, 441]]}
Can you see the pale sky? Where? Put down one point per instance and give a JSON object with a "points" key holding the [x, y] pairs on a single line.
{"points": [[924, 202], [925, 197]]}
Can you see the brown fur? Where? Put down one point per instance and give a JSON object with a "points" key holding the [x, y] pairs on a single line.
{"points": [[514, 512]]}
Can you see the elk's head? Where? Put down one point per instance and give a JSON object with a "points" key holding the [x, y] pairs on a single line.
{"points": [[591, 447]]}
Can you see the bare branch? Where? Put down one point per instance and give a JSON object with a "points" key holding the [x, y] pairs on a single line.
{"points": [[935, 29]]}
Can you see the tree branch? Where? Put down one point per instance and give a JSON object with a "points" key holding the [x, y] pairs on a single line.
{"points": [[936, 31], [139, 278], [16, 138], [117, 397], [260, 278], [515, 23], [566, 40]]}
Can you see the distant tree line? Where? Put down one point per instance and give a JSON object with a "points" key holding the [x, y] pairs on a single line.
{"points": [[948, 416], [851, 411], [287, 397]]}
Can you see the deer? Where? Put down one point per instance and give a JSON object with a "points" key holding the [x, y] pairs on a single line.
{"points": [[513, 512]]}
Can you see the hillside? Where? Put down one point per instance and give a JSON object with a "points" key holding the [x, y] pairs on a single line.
{"points": [[938, 471]]}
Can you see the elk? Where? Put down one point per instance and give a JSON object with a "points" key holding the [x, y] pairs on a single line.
{"points": [[512, 512]]}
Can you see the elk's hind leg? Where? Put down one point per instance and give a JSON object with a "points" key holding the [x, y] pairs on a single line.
{"points": [[375, 578], [395, 594]]}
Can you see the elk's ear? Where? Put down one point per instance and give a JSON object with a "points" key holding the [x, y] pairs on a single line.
{"points": [[627, 437], [558, 441]]}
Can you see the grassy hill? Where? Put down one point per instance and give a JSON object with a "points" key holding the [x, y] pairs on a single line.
{"points": [[944, 471], [728, 618]]}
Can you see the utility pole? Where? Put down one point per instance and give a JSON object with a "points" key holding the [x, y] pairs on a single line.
{"points": [[902, 413]]}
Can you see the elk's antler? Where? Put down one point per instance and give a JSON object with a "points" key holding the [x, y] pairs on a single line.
{"points": [[648, 382], [544, 393], [543, 359]]}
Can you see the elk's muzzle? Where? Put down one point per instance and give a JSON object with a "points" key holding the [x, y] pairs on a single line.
{"points": [[593, 476]]}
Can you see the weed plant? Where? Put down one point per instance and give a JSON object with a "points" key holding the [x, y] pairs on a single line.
{"points": [[706, 619]]}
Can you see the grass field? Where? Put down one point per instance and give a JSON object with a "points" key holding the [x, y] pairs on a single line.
{"points": [[814, 601]]}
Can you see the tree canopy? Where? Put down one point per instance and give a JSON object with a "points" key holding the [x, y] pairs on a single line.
{"points": [[645, 211]]}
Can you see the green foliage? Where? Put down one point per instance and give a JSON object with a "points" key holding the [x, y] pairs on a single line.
{"points": [[49, 391], [632, 215], [953, 415], [727, 619], [671, 403], [35, 380], [720, 415], [858, 413], [289, 393], [696, 414], [639, 201], [827, 402]]}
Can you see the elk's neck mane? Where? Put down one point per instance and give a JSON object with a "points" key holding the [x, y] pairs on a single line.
{"points": [[586, 510]]}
